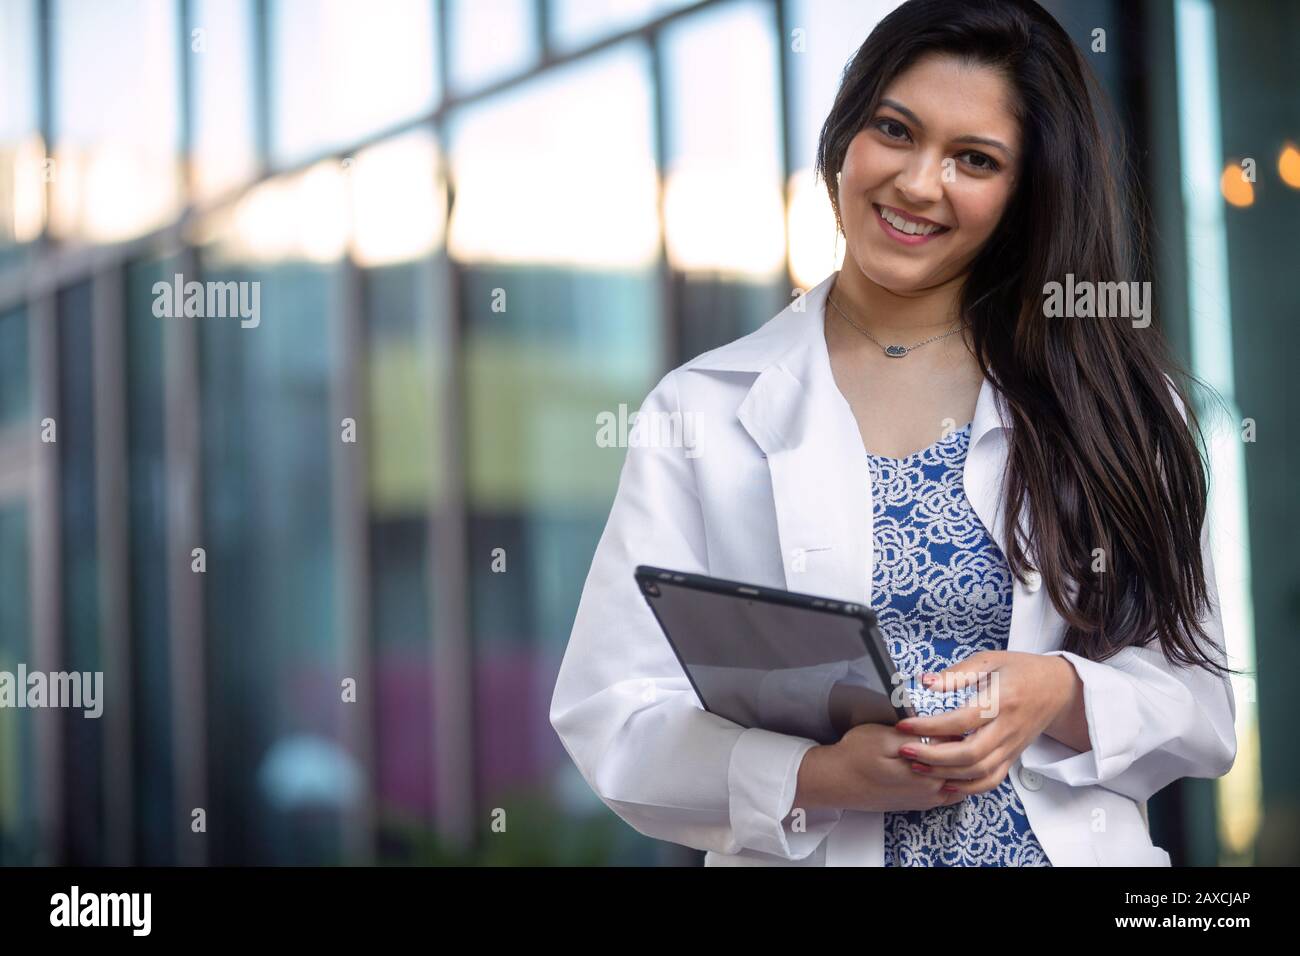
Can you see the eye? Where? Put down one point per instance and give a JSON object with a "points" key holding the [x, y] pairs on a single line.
{"points": [[887, 121], [990, 164]]}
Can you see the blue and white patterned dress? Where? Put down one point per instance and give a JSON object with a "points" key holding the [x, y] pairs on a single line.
{"points": [[942, 591]]}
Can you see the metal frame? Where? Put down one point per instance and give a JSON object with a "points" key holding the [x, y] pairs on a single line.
{"points": [[453, 684], [46, 575], [186, 622], [352, 591], [112, 514]]}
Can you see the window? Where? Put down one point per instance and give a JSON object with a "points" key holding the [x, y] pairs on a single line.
{"points": [[156, 820], [724, 210], [575, 23], [15, 381], [490, 40], [560, 295], [22, 183], [19, 830], [116, 117], [342, 70], [280, 779], [220, 55], [83, 738]]}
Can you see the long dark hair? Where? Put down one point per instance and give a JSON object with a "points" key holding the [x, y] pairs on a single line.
{"points": [[1099, 449]]}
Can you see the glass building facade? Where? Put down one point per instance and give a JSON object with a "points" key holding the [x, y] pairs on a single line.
{"points": [[325, 538]]}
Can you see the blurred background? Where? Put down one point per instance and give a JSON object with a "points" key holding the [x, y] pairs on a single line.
{"points": [[476, 225]]}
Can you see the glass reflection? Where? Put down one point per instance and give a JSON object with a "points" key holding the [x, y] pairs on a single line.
{"points": [[22, 152], [398, 200], [19, 832], [575, 23], [561, 302], [341, 70], [79, 557], [724, 217], [490, 39], [582, 193], [151, 701], [15, 380], [278, 773], [398, 204], [722, 204], [220, 53], [116, 118]]}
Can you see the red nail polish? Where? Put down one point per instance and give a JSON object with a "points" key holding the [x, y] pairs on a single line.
{"points": [[907, 752], [922, 768], [947, 789]]}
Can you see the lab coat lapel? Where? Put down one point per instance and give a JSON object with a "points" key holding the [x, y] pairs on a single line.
{"points": [[986, 458], [986, 461], [821, 486]]}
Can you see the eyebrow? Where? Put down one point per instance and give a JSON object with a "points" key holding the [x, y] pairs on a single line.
{"points": [[984, 140]]}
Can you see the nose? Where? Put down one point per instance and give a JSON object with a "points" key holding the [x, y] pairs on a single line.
{"points": [[920, 180]]}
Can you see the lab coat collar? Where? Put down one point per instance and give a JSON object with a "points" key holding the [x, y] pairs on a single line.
{"points": [[805, 427], [796, 341]]}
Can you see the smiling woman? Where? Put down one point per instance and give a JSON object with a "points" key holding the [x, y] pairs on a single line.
{"points": [[970, 175], [968, 171]]}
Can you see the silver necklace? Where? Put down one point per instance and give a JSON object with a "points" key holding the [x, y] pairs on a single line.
{"points": [[893, 351]]}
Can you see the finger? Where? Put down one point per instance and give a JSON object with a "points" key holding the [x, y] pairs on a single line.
{"points": [[980, 784], [956, 757], [963, 672], [948, 723], [966, 682], [949, 680], [950, 774], [910, 743], [952, 793]]}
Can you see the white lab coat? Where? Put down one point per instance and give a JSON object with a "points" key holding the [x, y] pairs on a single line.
{"points": [[768, 484]]}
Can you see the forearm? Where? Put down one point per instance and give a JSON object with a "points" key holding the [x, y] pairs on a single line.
{"points": [[1071, 725]]}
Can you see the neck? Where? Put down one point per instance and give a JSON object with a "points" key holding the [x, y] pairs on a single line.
{"points": [[896, 318]]}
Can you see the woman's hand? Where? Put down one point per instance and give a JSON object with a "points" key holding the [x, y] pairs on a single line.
{"points": [[1018, 696], [864, 771]]}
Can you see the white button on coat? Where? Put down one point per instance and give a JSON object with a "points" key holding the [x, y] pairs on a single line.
{"points": [[1031, 780], [633, 726]]}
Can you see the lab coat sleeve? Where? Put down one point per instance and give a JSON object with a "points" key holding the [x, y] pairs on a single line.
{"points": [[1149, 722], [622, 706]]}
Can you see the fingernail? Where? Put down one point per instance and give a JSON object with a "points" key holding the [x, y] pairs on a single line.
{"points": [[947, 789], [908, 752], [921, 768]]}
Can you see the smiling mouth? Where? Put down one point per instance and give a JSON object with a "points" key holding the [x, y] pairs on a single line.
{"points": [[907, 227]]}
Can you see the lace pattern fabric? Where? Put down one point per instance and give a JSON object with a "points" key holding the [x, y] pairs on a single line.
{"points": [[942, 592]]}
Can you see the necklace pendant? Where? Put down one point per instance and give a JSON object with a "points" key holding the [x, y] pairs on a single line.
{"points": [[896, 351]]}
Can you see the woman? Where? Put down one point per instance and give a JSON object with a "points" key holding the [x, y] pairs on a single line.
{"points": [[867, 443]]}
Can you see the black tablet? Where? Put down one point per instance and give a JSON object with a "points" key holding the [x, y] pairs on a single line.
{"points": [[787, 662]]}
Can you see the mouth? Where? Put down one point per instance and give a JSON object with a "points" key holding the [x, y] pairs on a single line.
{"points": [[910, 232]]}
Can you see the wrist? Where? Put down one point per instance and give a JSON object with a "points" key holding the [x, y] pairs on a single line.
{"points": [[810, 793], [1068, 722]]}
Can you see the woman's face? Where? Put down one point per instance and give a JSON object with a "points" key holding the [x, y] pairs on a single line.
{"points": [[930, 153]]}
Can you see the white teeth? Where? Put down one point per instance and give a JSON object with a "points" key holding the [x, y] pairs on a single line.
{"points": [[904, 225]]}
